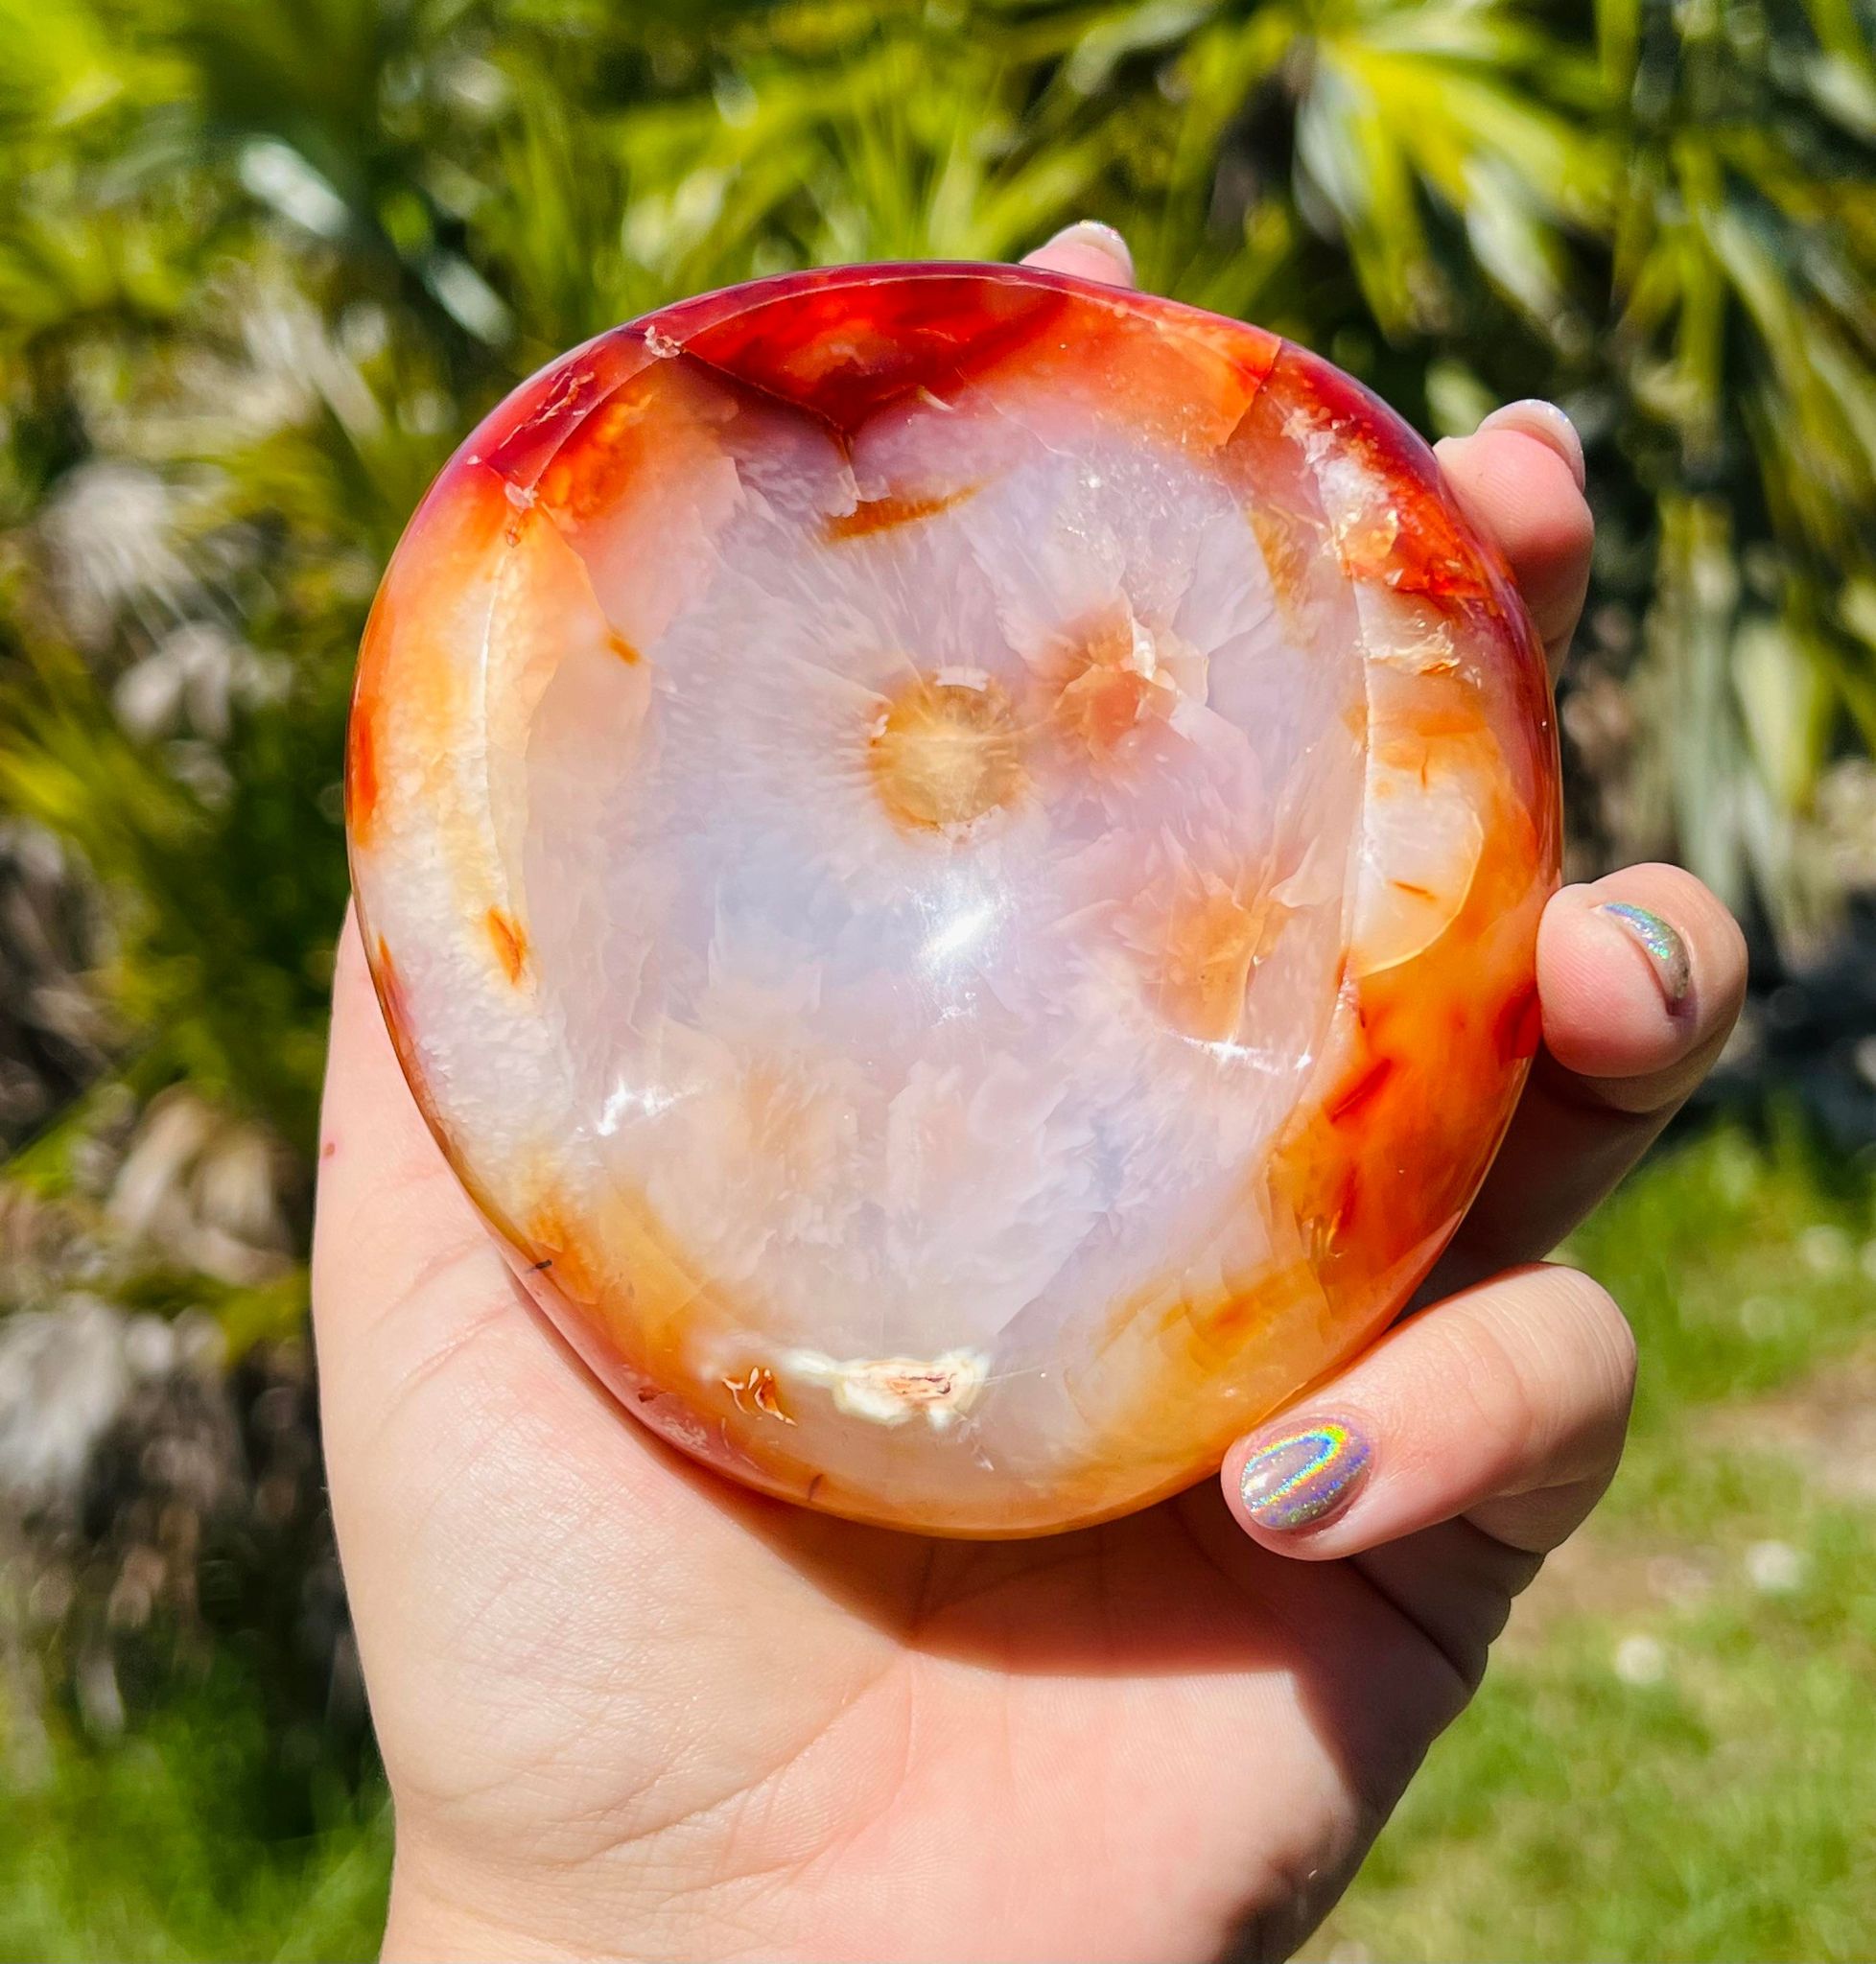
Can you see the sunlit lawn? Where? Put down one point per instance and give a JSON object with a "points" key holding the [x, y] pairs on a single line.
{"points": [[163, 1848], [1675, 1758]]}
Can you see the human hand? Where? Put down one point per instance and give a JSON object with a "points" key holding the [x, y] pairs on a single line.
{"points": [[628, 1709]]}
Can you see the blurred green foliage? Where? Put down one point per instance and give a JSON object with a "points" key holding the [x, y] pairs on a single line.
{"points": [[186, 1843], [263, 263], [260, 266]]}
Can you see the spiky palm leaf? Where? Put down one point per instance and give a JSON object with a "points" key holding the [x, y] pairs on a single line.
{"points": [[261, 265]]}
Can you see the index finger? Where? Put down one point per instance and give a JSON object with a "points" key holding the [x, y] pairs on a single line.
{"points": [[1519, 478], [1640, 977]]}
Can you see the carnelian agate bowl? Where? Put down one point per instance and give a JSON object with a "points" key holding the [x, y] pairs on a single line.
{"points": [[954, 858]]}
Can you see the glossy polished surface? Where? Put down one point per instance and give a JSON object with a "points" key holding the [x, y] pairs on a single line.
{"points": [[955, 856]]}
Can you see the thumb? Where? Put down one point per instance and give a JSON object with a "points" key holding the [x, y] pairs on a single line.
{"points": [[391, 1216]]}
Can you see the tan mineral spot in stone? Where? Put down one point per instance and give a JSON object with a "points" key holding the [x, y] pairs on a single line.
{"points": [[947, 753]]}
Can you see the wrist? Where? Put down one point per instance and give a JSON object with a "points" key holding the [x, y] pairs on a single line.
{"points": [[423, 1924], [446, 1906], [438, 1914]]}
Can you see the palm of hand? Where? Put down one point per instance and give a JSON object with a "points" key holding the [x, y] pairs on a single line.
{"points": [[587, 1656], [629, 1710]]}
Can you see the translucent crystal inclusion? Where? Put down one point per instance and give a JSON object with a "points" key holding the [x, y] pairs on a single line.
{"points": [[954, 858]]}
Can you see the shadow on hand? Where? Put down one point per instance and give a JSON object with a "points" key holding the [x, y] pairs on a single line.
{"points": [[1174, 1591]]}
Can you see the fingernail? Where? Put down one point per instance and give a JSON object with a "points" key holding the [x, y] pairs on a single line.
{"points": [[1304, 1475], [1660, 943], [1099, 238], [1548, 424]]}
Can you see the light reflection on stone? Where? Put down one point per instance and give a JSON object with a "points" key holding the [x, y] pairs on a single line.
{"points": [[1009, 819]]}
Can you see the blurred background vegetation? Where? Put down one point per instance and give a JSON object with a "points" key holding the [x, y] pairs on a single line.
{"points": [[262, 262]]}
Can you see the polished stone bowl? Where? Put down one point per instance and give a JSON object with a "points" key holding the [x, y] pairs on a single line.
{"points": [[953, 856]]}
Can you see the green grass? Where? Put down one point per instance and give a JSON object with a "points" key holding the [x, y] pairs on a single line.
{"points": [[1676, 1757], [188, 1839], [1738, 1264], [1652, 1782], [1674, 1760]]}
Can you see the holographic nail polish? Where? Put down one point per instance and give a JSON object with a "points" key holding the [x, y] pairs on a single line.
{"points": [[1661, 943], [1302, 1476]]}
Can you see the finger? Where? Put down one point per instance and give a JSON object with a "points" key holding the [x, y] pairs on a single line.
{"points": [[1089, 249], [1519, 477], [1504, 1407], [1640, 978]]}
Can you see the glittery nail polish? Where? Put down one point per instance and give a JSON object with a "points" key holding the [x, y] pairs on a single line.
{"points": [[1302, 1476], [1661, 943]]}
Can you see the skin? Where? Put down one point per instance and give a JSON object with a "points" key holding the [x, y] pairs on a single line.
{"points": [[629, 1710]]}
